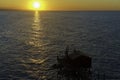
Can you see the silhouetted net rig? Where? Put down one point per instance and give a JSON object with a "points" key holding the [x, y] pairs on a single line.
{"points": [[73, 66]]}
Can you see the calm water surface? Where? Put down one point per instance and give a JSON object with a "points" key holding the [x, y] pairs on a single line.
{"points": [[30, 41]]}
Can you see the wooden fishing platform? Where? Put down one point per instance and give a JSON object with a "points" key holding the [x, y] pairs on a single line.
{"points": [[76, 64]]}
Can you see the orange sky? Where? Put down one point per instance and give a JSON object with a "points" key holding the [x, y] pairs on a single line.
{"points": [[62, 4]]}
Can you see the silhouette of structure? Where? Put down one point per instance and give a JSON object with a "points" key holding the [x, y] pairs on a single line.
{"points": [[73, 66]]}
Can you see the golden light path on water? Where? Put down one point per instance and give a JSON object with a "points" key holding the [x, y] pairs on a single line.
{"points": [[35, 40], [36, 35], [36, 31]]}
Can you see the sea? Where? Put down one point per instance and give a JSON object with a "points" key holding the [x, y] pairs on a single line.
{"points": [[30, 42]]}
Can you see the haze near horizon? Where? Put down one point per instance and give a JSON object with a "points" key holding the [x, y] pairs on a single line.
{"points": [[61, 5]]}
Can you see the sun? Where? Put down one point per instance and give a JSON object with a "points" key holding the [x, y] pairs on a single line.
{"points": [[36, 5]]}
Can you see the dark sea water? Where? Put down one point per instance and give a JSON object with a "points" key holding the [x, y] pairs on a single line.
{"points": [[30, 42]]}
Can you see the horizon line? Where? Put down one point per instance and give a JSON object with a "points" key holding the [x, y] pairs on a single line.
{"points": [[51, 10]]}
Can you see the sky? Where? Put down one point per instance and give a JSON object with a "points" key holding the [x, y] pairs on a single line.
{"points": [[62, 4]]}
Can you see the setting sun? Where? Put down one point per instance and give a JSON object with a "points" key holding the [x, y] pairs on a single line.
{"points": [[36, 5]]}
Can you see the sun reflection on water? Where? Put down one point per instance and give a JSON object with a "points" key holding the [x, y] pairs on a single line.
{"points": [[36, 60], [36, 31]]}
